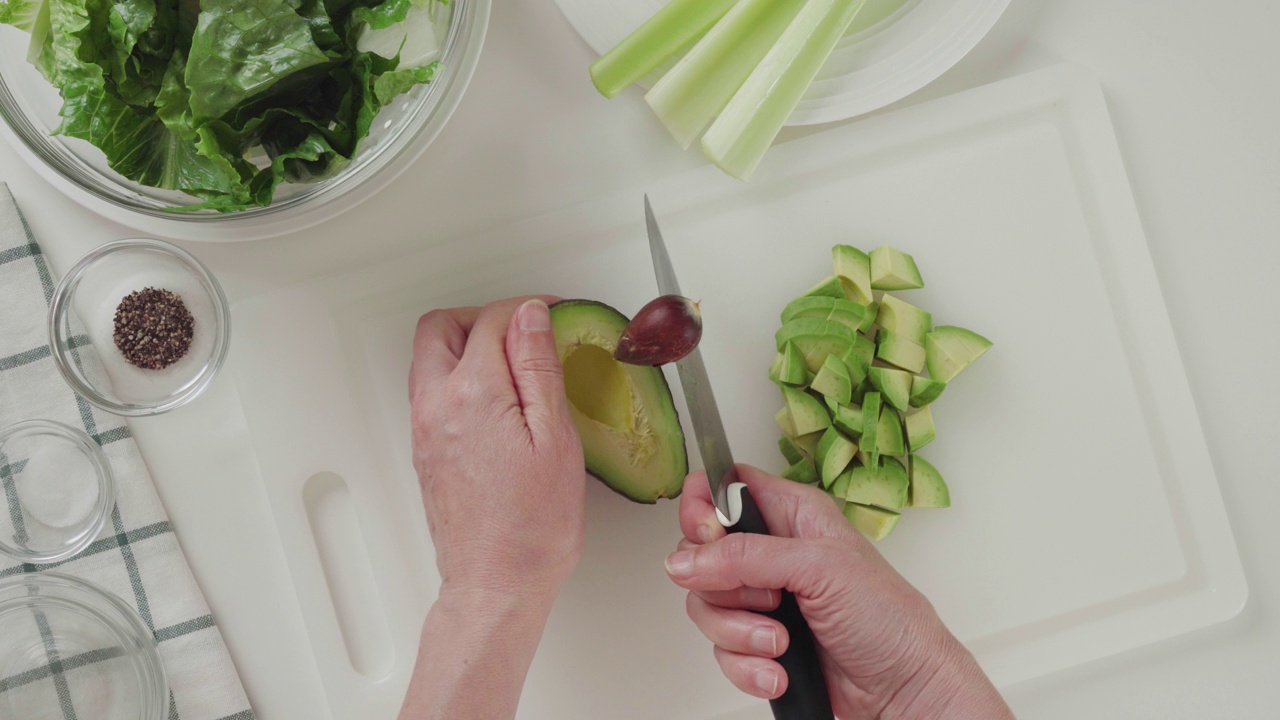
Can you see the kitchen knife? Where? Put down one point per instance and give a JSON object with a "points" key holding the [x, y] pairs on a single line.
{"points": [[806, 697]]}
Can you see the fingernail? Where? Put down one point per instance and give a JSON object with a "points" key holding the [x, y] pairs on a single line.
{"points": [[680, 563], [764, 641], [706, 534], [534, 316], [757, 598], [767, 681]]}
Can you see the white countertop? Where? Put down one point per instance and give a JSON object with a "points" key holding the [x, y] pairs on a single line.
{"points": [[1194, 96]]}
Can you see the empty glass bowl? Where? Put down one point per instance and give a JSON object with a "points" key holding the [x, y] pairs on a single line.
{"points": [[69, 648], [82, 327], [58, 489]]}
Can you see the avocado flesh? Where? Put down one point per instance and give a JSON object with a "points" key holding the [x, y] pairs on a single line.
{"points": [[925, 390], [885, 487], [807, 414], [902, 317], [892, 269], [928, 489], [950, 349], [874, 522], [894, 386], [801, 471], [853, 267], [625, 415], [920, 429], [889, 436], [900, 351], [835, 452], [831, 287], [833, 381]]}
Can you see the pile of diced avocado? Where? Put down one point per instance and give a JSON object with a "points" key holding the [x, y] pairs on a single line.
{"points": [[852, 367]]}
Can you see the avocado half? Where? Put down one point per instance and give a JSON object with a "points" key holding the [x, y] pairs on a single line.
{"points": [[630, 430]]}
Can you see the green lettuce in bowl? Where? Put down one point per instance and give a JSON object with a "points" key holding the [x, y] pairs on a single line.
{"points": [[224, 100]]}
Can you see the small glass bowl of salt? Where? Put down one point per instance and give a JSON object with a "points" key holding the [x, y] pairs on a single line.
{"points": [[58, 491]]}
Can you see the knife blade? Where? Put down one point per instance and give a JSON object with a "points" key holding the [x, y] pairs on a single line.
{"points": [[807, 697], [708, 428]]}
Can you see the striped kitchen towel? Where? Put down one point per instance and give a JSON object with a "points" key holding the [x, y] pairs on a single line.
{"points": [[137, 557]]}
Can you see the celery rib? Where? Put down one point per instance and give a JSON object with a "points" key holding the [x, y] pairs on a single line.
{"points": [[698, 88], [741, 135], [677, 24]]}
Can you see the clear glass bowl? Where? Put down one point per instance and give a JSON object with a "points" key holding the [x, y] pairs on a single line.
{"points": [[59, 491], [29, 106], [82, 327], [66, 640]]}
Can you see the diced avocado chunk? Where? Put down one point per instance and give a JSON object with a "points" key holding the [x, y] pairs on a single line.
{"points": [[871, 427], [860, 391], [791, 367], [892, 269], [920, 430], [949, 349], [796, 328], [901, 317], [790, 450], [864, 348], [894, 386], [833, 381], [816, 339], [928, 489], [890, 440], [840, 487], [808, 444], [845, 312], [885, 487], [810, 306], [875, 523], [925, 390], [873, 309], [785, 423], [835, 452], [899, 350], [853, 267], [856, 365], [830, 287], [847, 419], [807, 414], [801, 471]]}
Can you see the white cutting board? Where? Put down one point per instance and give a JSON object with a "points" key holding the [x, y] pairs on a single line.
{"points": [[1087, 516]]}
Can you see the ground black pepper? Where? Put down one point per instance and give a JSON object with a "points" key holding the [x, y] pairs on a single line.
{"points": [[153, 328]]}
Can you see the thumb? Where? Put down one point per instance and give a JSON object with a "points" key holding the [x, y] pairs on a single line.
{"points": [[758, 561], [536, 369]]}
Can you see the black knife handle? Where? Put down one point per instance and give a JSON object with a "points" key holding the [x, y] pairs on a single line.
{"points": [[807, 697]]}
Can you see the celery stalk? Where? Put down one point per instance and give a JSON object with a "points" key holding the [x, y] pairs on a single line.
{"points": [[689, 97], [742, 134], [664, 34]]}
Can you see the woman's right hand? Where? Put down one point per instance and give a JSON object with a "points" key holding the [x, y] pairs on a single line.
{"points": [[885, 652]]}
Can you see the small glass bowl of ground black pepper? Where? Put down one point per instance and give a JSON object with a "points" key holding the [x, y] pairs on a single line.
{"points": [[139, 327]]}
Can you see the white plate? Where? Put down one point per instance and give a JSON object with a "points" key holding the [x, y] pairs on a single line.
{"points": [[894, 49], [1087, 516]]}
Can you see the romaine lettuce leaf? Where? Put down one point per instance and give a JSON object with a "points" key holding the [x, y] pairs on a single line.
{"points": [[20, 13], [242, 48]]}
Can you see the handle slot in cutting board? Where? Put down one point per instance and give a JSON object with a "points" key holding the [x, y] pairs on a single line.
{"points": [[344, 558]]}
